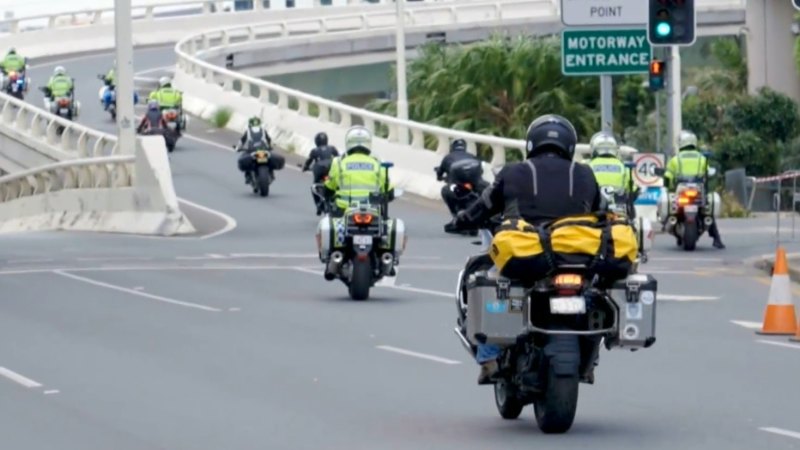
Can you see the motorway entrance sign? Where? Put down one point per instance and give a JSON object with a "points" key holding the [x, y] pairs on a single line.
{"points": [[605, 52]]}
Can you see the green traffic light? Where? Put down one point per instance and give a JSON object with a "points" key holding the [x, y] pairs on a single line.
{"points": [[663, 29]]}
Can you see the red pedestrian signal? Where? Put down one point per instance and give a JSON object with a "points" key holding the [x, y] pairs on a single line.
{"points": [[657, 74]]}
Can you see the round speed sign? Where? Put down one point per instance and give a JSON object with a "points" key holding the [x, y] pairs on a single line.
{"points": [[645, 174]]}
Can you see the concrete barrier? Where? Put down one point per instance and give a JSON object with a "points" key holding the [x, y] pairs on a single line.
{"points": [[117, 194]]}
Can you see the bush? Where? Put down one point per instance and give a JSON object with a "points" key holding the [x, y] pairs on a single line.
{"points": [[221, 117], [731, 208]]}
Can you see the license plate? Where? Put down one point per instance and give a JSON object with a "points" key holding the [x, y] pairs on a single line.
{"points": [[172, 125], [568, 305], [690, 208], [362, 240], [261, 159], [63, 111]]}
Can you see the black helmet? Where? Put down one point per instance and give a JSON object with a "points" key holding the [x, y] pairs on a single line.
{"points": [[321, 139], [551, 133], [459, 145]]}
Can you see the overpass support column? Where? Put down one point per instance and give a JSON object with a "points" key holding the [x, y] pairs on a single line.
{"points": [[126, 118], [770, 47]]}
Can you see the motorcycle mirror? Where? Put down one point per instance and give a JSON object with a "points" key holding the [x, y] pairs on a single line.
{"points": [[712, 171], [707, 154], [387, 164]]}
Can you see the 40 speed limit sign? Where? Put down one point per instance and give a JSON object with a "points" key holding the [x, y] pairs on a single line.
{"points": [[644, 173]]}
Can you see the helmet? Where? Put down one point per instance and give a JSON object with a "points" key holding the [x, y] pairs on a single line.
{"points": [[687, 141], [321, 139], [604, 144], [254, 121], [164, 82], [459, 145], [553, 133], [152, 104], [356, 138], [59, 70]]}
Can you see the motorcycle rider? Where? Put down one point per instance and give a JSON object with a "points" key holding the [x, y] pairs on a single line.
{"points": [[321, 157], [110, 80], [152, 119], [59, 85], [169, 98], [690, 163], [13, 62], [458, 153], [255, 137], [548, 185], [357, 174], [608, 169]]}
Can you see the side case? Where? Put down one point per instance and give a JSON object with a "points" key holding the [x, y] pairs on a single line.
{"points": [[635, 298], [495, 316]]}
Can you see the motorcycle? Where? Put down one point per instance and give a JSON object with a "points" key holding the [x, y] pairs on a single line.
{"points": [[363, 246], [169, 136], [108, 97], [171, 117], [690, 210], [261, 178], [549, 333], [15, 85], [64, 106]]}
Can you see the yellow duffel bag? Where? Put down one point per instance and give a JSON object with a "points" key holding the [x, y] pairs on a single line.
{"points": [[606, 243]]}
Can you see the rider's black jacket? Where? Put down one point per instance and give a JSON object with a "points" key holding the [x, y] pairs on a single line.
{"points": [[324, 154], [448, 161], [539, 189]]}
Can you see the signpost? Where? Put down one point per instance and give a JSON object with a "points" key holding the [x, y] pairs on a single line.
{"points": [[605, 52], [579, 13], [644, 173]]}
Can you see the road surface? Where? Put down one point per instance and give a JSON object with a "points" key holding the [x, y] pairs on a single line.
{"points": [[231, 339]]}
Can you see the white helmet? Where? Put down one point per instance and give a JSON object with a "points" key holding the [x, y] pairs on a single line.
{"points": [[59, 70], [357, 137], [604, 144], [163, 81], [687, 140]]}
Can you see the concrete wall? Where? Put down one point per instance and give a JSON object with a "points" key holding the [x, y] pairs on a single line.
{"points": [[770, 47]]}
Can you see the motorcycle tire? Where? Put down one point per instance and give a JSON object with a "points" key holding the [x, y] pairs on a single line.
{"points": [[508, 405], [555, 408], [263, 179], [361, 280], [690, 236]]}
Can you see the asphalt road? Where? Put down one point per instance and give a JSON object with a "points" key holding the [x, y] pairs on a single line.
{"points": [[233, 340]]}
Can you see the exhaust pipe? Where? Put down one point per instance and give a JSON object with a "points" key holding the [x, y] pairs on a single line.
{"points": [[708, 221], [387, 260], [333, 265], [673, 220]]}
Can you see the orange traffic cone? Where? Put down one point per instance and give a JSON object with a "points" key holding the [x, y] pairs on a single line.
{"points": [[780, 318]]}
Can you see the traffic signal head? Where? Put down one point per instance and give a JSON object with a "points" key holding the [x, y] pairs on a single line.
{"points": [[671, 22], [796, 4], [657, 74]]}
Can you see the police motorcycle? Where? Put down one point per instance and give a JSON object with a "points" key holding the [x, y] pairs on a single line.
{"points": [[549, 329], [621, 202], [691, 209], [16, 84], [108, 96], [364, 245]]}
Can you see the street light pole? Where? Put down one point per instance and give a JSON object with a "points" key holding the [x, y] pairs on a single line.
{"points": [[126, 119], [400, 44]]}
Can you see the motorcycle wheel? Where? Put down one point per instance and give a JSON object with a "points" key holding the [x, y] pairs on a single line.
{"points": [[361, 280], [507, 403], [555, 408], [690, 236], [263, 180]]}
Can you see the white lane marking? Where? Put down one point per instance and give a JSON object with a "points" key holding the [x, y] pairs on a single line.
{"points": [[747, 324], [780, 344], [206, 256], [19, 379], [388, 281], [417, 355], [699, 272], [230, 222], [115, 258], [137, 293], [273, 255], [234, 309], [156, 69], [685, 298], [52, 391], [685, 260], [782, 432], [146, 269], [29, 261]]}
